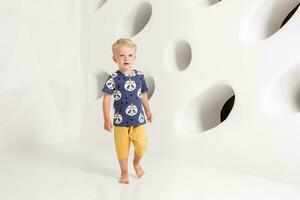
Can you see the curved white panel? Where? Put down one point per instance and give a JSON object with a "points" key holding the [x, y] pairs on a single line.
{"points": [[203, 112], [136, 20], [264, 18], [178, 55], [283, 94]]}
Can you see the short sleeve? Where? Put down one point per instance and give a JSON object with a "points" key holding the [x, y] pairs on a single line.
{"points": [[144, 85], [109, 85]]}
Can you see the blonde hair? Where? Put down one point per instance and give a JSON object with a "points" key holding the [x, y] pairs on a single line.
{"points": [[123, 42]]}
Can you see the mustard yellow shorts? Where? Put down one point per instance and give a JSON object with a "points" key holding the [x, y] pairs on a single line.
{"points": [[124, 135]]}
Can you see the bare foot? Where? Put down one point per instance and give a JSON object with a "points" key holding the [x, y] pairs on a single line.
{"points": [[138, 169], [124, 179]]}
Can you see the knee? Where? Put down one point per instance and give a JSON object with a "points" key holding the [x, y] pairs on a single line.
{"points": [[140, 149]]}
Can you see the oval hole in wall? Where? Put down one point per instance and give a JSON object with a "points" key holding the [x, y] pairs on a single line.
{"points": [[207, 2], [289, 16], [136, 20], [179, 56], [96, 4], [203, 112], [100, 3], [95, 85], [183, 55], [265, 18], [226, 109], [283, 95], [151, 85]]}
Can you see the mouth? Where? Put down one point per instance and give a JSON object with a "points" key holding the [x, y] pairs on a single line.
{"points": [[126, 63]]}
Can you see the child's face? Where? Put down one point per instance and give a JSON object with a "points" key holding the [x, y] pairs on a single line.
{"points": [[125, 57]]}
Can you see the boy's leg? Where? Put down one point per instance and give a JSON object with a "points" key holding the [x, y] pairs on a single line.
{"points": [[124, 171], [139, 140], [122, 145], [137, 166]]}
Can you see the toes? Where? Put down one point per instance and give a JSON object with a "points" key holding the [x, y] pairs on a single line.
{"points": [[140, 173], [138, 170], [124, 181]]}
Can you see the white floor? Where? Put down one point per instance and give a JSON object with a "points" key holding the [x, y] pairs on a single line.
{"points": [[76, 171]]}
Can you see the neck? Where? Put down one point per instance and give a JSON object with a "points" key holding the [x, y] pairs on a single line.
{"points": [[128, 71]]}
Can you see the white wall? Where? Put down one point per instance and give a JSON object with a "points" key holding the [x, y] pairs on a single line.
{"points": [[198, 54], [41, 89], [195, 54]]}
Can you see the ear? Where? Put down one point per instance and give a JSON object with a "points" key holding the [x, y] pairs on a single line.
{"points": [[114, 58]]}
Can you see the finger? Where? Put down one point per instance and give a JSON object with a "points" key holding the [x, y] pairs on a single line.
{"points": [[107, 128]]}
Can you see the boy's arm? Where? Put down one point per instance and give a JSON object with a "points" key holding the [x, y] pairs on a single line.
{"points": [[146, 106], [106, 109]]}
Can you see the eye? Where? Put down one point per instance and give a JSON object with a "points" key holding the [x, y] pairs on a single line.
{"points": [[121, 55], [130, 55]]}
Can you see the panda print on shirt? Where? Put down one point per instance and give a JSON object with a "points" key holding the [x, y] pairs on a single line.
{"points": [[113, 75], [139, 93], [141, 118], [118, 118], [110, 83], [130, 85], [131, 110], [127, 93], [117, 95]]}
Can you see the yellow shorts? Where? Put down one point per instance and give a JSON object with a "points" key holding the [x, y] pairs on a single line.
{"points": [[123, 135]]}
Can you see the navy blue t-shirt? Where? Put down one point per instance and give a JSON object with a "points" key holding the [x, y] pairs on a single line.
{"points": [[127, 90]]}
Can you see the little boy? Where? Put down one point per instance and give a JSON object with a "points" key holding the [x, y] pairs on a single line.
{"points": [[129, 90]]}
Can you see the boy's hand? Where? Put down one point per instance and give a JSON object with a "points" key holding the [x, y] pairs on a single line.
{"points": [[149, 116], [108, 125]]}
